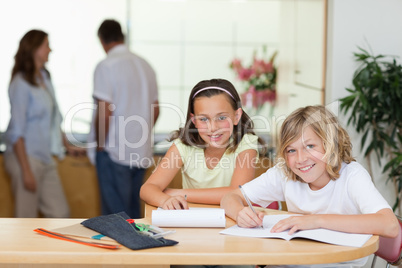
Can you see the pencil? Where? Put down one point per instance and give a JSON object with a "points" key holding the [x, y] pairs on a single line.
{"points": [[247, 200]]}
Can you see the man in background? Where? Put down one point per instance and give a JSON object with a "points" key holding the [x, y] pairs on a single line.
{"points": [[126, 94]]}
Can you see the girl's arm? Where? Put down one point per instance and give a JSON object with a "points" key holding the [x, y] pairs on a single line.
{"points": [[383, 223], [152, 191], [244, 172]]}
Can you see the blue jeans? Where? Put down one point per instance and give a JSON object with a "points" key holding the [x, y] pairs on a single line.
{"points": [[119, 186]]}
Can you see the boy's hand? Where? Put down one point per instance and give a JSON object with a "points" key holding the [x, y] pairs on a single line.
{"points": [[296, 223], [248, 219]]}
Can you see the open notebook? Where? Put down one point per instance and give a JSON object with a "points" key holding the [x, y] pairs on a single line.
{"points": [[322, 235], [193, 217]]}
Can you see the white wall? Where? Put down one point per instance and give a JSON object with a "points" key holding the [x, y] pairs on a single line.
{"points": [[352, 23], [373, 25], [189, 41], [370, 24], [72, 27]]}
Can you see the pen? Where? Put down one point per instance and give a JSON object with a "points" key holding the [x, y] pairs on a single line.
{"points": [[185, 199], [247, 200]]}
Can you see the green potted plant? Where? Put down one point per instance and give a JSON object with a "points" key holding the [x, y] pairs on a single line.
{"points": [[374, 108]]}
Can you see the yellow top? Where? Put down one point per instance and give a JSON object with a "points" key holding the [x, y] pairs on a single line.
{"points": [[196, 174]]}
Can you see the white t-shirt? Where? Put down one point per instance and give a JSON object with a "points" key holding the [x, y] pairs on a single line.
{"points": [[195, 173], [352, 193], [129, 82]]}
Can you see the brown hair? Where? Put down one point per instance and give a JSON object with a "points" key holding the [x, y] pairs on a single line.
{"points": [[24, 58], [110, 31], [189, 134], [335, 139]]}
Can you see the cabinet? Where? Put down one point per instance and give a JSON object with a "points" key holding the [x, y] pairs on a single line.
{"points": [[310, 28], [302, 55], [78, 177], [302, 96], [80, 183], [6, 198]]}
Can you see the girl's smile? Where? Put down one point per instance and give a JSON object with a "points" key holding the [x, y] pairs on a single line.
{"points": [[214, 118], [215, 138]]}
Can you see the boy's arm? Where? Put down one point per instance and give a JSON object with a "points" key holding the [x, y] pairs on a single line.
{"points": [[383, 223], [236, 208], [232, 203]]}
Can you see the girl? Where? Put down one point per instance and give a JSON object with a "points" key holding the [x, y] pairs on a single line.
{"points": [[33, 135], [316, 175], [216, 150]]}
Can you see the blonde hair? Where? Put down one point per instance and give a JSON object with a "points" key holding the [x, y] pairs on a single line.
{"points": [[335, 139]]}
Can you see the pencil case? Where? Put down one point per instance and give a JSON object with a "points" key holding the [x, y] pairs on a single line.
{"points": [[121, 228]]}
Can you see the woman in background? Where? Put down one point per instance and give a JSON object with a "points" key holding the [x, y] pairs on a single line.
{"points": [[33, 135]]}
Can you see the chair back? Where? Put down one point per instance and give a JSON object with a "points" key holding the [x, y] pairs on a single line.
{"points": [[390, 248], [275, 205]]}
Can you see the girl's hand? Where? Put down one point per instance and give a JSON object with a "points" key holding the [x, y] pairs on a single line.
{"points": [[248, 219], [175, 202], [296, 223]]}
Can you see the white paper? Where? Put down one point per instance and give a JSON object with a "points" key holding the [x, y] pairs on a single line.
{"points": [[193, 217], [322, 235]]}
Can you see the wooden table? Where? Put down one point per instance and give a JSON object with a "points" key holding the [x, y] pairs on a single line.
{"points": [[22, 246]]}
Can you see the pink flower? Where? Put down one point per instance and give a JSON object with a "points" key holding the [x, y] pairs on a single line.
{"points": [[244, 74], [268, 67], [236, 64], [260, 80]]}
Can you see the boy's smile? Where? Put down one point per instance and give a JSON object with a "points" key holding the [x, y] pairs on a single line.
{"points": [[306, 169], [305, 158]]}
